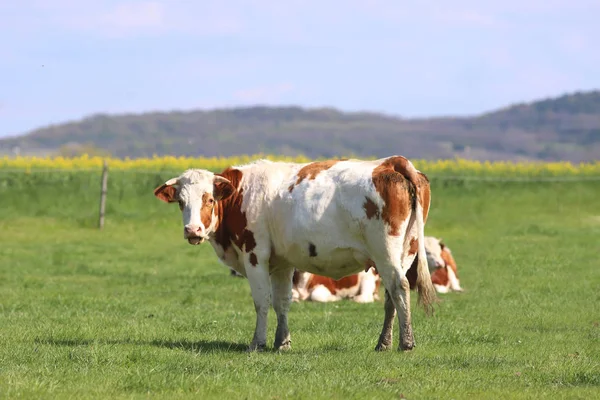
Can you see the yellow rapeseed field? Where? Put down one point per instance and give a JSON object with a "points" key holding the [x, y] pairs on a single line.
{"points": [[455, 167]]}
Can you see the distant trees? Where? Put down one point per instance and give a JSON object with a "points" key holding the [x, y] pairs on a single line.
{"points": [[565, 128]]}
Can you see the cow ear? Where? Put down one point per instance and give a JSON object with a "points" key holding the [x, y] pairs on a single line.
{"points": [[166, 193], [222, 190]]}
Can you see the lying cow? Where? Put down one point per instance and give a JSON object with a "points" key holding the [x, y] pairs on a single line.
{"points": [[364, 286], [442, 266], [332, 218], [361, 288]]}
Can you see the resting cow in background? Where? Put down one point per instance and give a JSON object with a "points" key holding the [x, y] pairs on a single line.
{"points": [[444, 273], [333, 218], [361, 288], [364, 286]]}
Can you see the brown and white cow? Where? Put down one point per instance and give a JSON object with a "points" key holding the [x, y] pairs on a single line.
{"points": [[364, 286], [444, 273], [361, 288], [331, 218]]}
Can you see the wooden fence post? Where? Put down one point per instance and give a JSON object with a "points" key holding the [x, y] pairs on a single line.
{"points": [[103, 194]]}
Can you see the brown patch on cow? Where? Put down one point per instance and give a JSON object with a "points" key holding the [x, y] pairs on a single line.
{"points": [[425, 191], [310, 171], [440, 277], [414, 246], [316, 280], [253, 259], [331, 284], [166, 193], [395, 190], [370, 264], [232, 222], [371, 209], [399, 184], [206, 211], [312, 250], [449, 260]]}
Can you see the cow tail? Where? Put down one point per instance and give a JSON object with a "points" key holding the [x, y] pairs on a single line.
{"points": [[427, 294]]}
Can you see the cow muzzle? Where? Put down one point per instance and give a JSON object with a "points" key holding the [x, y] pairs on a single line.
{"points": [[193, 234]]}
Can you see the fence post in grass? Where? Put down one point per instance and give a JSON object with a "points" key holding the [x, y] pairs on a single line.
{"points": [[103, 194]]}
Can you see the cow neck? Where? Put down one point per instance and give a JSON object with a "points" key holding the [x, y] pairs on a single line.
{"points": [[231, 222]]}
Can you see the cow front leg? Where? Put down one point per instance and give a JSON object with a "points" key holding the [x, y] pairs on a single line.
{"points": [[281, 282], [258, 277], [385, 339]]}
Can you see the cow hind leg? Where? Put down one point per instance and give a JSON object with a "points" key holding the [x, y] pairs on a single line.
{"points": [[385, 339], [398, 289], [281, 285]]}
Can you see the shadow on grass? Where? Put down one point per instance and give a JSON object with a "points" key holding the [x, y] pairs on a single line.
{"points": [[193, 346]]}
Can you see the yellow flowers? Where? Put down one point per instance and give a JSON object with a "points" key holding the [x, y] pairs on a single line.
{"points": [[460, 167], [455, 167], [142, 164]]}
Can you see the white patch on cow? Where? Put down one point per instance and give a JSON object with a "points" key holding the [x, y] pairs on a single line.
{"points": [[441, 289], [229, 258], [322, 295], [454, 282], [434, 253], [193, 184], [367, 287]]}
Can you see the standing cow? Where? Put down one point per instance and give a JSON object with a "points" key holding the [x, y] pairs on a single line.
{"points": [[332, 218]]}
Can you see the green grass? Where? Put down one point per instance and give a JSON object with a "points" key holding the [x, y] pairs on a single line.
{"points": [[135, 312]]}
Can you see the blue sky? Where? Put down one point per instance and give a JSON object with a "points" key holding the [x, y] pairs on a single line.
{"points": [[62, 60]]}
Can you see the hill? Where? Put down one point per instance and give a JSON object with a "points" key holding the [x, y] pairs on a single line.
{"points": [[562, 128]]}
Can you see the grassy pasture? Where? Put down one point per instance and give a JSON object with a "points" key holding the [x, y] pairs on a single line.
{"points": [[135, 312]]}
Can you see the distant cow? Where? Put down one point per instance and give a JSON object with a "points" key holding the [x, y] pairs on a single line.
{"points": [[444, 273], [333, 218], [361, 288], [364, 286]]}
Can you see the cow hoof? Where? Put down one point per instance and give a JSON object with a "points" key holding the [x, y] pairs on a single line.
{"points": [[406, 347], [382, 346], [284, 346], [256, 347]]}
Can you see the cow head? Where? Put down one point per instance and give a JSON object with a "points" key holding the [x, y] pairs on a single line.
{"points": [[441, 262], [197, 191], [433, 249]]}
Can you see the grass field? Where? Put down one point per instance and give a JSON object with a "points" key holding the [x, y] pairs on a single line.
{"points": [[135, 312]]}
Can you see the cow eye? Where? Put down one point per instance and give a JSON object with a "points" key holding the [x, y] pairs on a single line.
{"points": [[211, 201]]}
